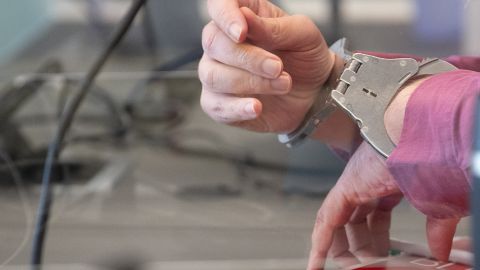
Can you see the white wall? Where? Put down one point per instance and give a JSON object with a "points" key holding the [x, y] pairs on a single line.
{"points": [[357, 11], [353, 10], [472, 28]]}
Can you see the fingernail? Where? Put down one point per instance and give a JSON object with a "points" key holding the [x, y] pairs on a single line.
{"points": [[272, 67], [235, 31], [282, 83], [250, 109]]}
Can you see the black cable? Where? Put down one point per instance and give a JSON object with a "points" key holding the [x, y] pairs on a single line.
{"points": [[14, 96], [54, 150], [116, 119]]}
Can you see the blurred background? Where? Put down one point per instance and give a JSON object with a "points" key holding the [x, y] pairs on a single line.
{"points": [[146, 178]]}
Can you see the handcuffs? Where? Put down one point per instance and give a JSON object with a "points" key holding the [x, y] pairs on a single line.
{"points": [[364, 90]]}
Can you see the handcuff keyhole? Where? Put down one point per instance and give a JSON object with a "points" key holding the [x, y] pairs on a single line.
{"points": [[368, 92]]}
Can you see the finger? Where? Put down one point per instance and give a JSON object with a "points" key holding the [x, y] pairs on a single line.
{"points": [[227, 15], [334, 213], [217, 45], [462, 243], [229, 109], [283, 33], [358, 185], [340, 250], [223, 79], [379, 222], [440, 233], [359, 234]]}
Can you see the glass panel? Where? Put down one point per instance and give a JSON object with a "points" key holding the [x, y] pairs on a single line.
{"points": [[146, 178]]}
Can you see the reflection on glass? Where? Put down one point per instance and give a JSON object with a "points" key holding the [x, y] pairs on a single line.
{"points": [[146, 177]]}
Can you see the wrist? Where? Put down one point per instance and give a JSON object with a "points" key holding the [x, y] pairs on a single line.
{"points": [[338, 131], [318, 107], [395, 113]]}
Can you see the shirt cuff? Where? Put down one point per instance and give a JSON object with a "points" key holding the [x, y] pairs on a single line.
{"points": [[431, 160]]}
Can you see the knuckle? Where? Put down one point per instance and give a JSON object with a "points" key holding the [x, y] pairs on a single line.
{"points": [[353, 196], [209, 35], [253, 83], [243, 56], [208, 77], [276, 32], [304, 21], [213, 108], [249, 58], [320, 220]]}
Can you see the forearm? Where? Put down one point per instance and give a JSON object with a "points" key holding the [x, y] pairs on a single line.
{"points": [[395, 114], [431, 123]]}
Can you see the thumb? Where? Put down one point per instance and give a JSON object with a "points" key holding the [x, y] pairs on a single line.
{"points": [[283, 33], [440, 233]]}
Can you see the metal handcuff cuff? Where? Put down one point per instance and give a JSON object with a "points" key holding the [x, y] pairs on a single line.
{"points": [[364, 90]]}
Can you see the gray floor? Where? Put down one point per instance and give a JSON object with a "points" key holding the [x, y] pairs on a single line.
{"points": [[171, 210]]}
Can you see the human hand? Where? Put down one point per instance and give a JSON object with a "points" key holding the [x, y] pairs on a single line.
{"points": [[353, 223], [262, 69]]}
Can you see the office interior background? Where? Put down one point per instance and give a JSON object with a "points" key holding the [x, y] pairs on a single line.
{"points": [[146, 177]]}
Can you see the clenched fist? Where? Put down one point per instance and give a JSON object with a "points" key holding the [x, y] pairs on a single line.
{"points": [[262, 68]]}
